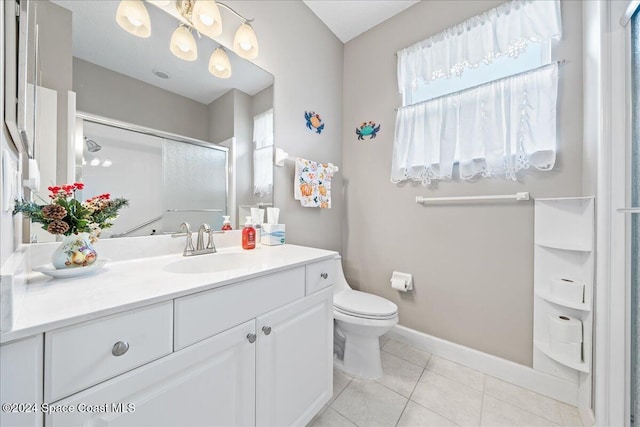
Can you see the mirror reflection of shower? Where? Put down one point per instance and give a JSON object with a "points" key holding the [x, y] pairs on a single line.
{"points": [[93, 147]]}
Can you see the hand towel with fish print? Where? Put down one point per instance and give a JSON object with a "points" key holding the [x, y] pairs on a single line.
{"points": [[312, 184]]}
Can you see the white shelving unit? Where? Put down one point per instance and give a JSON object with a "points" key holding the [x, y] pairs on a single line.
{"points": [[564, 244]]}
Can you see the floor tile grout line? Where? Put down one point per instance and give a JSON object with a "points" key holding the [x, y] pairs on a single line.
{"points": [[484, 380], [409, 361], [410, 394], [428, 409], [527, 410]]}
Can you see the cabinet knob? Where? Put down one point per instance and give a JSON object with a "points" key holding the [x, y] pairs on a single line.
{"points": [[120, 348], [266, 330], [251, 338], [324, 275]]}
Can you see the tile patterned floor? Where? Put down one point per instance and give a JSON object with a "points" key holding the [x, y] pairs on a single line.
{"points": [[419, 389]]}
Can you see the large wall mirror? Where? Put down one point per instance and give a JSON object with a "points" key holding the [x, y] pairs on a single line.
{"points": [[128, 110]]}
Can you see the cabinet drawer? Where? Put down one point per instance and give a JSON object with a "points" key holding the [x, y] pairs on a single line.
{"points": [[207, 313], [320, 275], [82, 355]]}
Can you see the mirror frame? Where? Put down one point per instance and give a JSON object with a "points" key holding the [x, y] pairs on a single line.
{"points": [[21, 53]]}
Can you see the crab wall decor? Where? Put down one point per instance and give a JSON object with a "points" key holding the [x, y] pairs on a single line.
{"points": [[367, 129], [314, 122]]}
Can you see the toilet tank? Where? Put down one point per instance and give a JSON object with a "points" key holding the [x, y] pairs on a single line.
{"points": [[341, 282]]}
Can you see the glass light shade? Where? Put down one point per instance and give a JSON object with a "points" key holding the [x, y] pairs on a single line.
{"points": [[245, 43], [133, 17], [161, 3], [183, 45], [219, 64], [206, 18]]}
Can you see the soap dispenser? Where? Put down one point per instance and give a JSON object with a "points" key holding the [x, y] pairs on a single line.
{"points": [[248, 235], [226, 223]]}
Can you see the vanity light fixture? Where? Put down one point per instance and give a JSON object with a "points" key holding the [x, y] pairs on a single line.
{"points": [[183, 45], [206, 18], [134, 18], [245, 42], [219, 64], [202, 16]]}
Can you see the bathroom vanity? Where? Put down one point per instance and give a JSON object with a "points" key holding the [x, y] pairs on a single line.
{"points": [[236, 338]]}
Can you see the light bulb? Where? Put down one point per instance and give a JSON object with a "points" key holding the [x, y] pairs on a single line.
{"points": [[206, 18], [133, 17], [219, 64], [107, 163], [245, 42], [95, 161], [183, 45]]}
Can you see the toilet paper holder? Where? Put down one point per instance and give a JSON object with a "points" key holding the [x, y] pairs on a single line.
{"points": [[401, 281]]}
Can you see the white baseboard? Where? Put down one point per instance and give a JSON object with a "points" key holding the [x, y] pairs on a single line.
{"points": [[520, 375]]}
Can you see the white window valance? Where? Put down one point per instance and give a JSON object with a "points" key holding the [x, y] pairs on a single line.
{"points": [[504, 30], [263, 153], [498, 129]]}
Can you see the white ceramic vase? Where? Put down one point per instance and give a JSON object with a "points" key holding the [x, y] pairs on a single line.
{"points": [[74, 251]]}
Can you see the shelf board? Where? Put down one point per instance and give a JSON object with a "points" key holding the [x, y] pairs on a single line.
{"points": [[544, 348], [546, 295], [564, 246]]}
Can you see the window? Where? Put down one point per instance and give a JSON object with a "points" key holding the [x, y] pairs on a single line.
{"points": [[263, 153], [501, 67], [479, 94]]}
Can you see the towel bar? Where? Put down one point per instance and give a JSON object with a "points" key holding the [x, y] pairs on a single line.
{"points": [[518, 196]]}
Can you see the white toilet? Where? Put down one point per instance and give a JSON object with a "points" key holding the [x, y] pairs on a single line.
{"points": [[359, 321]]}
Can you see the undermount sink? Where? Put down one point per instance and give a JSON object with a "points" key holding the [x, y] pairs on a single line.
{"points": [[210, 263]]}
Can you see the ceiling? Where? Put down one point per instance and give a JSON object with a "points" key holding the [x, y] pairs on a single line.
{"points": [[98, 39], [350, 18]]}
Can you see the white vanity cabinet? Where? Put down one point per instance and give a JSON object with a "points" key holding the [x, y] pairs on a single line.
{"points": [[294, 370], [211, 383], [21, 382], [255, 352]]}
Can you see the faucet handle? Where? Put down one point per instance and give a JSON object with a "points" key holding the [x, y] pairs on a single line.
{"points": [[183, 230]]}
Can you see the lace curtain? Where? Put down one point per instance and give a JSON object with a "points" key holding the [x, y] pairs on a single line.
{"points": [[499, 128], [504, 30], [263, 153]]}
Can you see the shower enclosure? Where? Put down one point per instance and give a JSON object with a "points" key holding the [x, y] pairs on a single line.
{"points": [[168, 180]]}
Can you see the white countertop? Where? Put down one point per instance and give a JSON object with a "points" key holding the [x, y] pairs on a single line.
{"points": [[123, 285]]}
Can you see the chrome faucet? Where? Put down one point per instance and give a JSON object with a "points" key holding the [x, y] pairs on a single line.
{"points": [[204, 228], [185, 230], [200, 249]]}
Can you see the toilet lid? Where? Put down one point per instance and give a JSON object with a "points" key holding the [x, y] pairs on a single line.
{"points": [[364, 304]]}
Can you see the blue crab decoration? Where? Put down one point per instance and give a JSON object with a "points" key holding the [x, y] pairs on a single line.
{"points": [[367, 129], [314, 121]]}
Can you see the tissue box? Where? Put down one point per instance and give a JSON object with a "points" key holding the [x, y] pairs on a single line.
{"points": [[272, 234]]}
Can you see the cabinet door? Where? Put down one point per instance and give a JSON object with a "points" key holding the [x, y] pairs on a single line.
{"points": [[211, 383], [294, 376], [21, 382]]}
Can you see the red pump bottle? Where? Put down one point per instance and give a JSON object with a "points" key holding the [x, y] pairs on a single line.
{"points": [[248, 235]]}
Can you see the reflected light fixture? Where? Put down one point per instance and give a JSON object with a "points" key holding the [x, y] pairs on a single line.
{"points": [[133, 17], [219, 64], [183, 45]]}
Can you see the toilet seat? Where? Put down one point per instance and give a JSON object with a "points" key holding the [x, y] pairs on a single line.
{"points": [[364, 305]]}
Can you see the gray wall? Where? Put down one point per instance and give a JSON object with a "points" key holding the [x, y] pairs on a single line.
{"points": [[243, 131], [107, 93], [306, 60], [262, 101], [472, 263], [220, 117]]}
